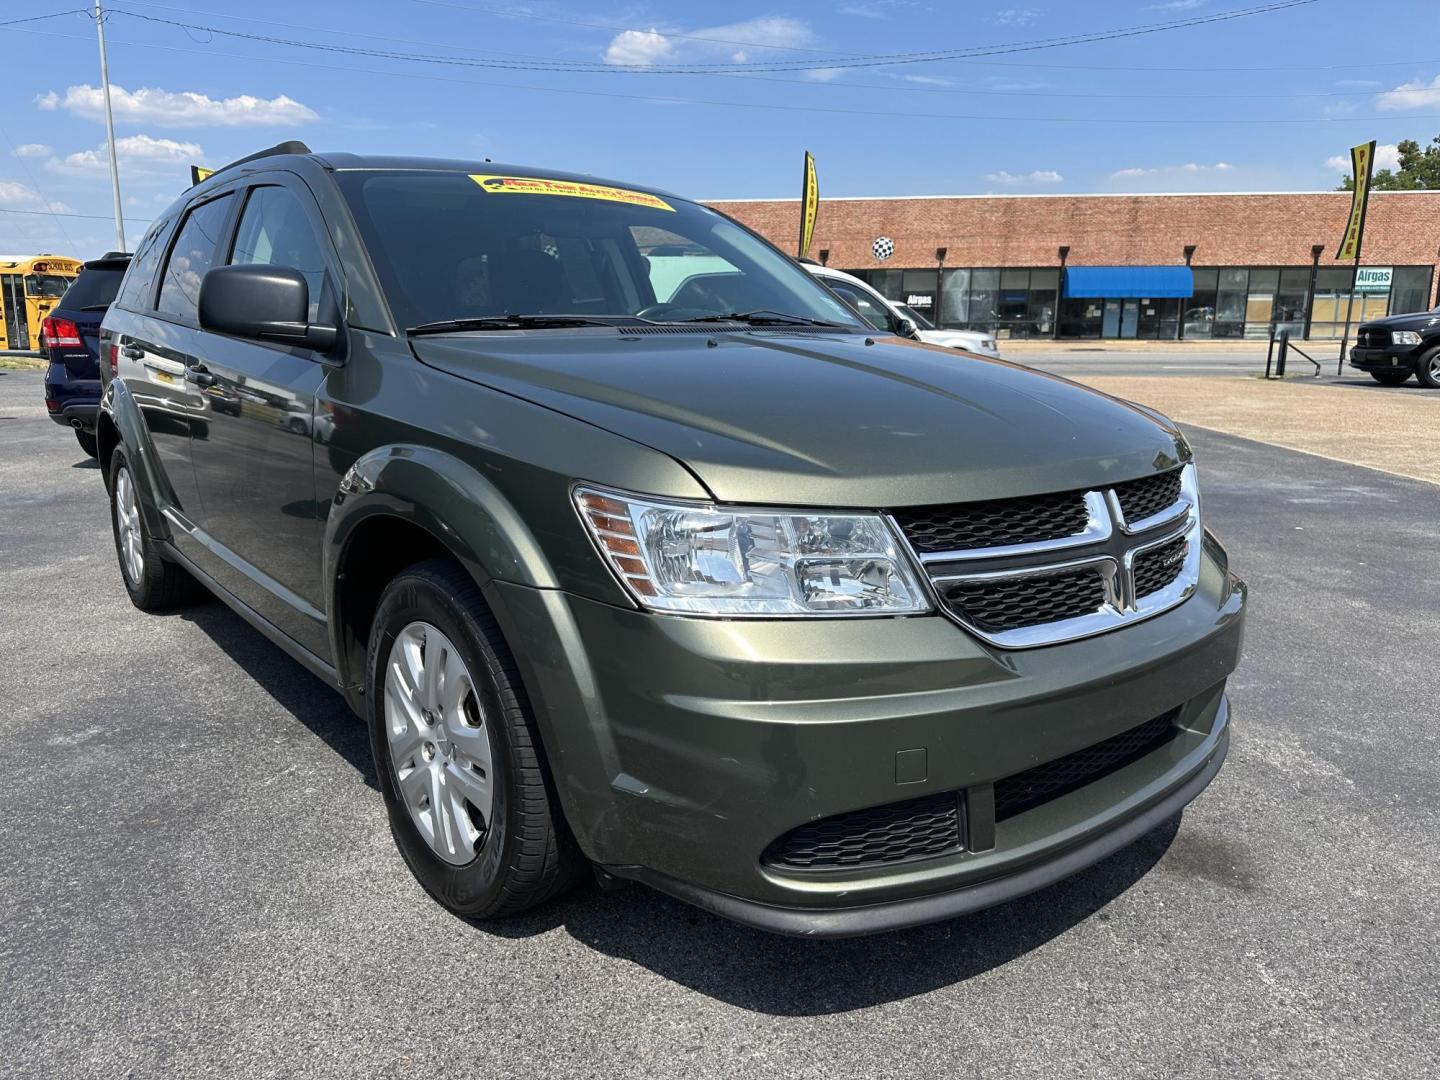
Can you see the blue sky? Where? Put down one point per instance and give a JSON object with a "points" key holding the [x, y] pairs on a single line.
{"points": [[1101, 116]]}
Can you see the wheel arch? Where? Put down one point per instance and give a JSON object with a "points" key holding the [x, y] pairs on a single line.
{"points": [[399, 505]]}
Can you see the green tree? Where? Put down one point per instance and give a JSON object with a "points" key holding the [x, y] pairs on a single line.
{"points": [[1419, 170]]}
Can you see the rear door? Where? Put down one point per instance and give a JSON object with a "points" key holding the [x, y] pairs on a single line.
{"points": [[254, 462], [85, 304]]}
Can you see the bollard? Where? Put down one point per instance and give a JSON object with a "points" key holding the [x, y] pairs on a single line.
{"points": [[1284, 348]]}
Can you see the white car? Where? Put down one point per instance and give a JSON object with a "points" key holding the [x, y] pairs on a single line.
{"points": [[885, 314]]}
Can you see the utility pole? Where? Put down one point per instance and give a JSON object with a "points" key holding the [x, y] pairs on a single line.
{"points": [[110, 130]]}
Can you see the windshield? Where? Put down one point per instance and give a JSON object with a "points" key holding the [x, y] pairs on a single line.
{"points": [[95, 287], [455, 246], [46, 286], [914, 316]]}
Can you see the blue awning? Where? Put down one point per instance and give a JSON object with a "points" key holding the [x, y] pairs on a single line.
{"points": [[1125, 281]]}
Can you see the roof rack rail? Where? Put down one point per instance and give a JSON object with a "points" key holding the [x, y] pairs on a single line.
{"points": [[291, 146]]}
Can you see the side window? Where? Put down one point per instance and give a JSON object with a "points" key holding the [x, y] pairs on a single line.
{"points": [[192, 256], [135, 290], [275, 231], [872, 312]]}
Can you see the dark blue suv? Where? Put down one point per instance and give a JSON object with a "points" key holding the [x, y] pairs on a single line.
{"points": [[70, 341]]}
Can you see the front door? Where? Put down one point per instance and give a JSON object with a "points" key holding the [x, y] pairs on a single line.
{"points": [[1110, 319], [12, 296], [254, 464], [1129, 318]]}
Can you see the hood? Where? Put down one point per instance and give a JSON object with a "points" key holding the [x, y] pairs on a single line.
{"points": [[1415, 320], [823, 420]]}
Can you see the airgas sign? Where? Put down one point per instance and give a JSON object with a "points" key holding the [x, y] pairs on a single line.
{"points": [[1373, 279]]}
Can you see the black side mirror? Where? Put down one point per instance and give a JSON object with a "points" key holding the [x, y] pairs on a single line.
{"points": [[267, 303], [904, 327]]}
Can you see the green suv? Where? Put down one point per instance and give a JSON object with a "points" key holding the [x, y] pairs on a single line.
{"points": [[680, 574]]}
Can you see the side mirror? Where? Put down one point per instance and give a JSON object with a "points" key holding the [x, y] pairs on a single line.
{"points": [[906, 328], [267, 303]]}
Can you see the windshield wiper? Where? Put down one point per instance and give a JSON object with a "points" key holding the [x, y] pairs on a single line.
{"points": [[766, 317], [521, 322]]}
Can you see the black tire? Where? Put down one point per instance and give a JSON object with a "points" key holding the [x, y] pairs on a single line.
{"points": [[161, 584], [526, 854], [1390, 378], [1427, 369], [87, 442]]}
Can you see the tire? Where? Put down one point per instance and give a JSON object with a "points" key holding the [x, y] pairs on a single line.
{"points": [[87, 442], [1390, 378], [431, 742], [153, 581], [1427, 369]]}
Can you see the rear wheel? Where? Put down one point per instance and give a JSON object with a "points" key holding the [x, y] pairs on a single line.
{"points": [[1390, 378], [153, 581], [1428, 369], [471, 803], [86, 439]]}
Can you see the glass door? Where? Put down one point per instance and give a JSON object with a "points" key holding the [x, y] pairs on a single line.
{"points": [[1129, 318], [1110, 321]]}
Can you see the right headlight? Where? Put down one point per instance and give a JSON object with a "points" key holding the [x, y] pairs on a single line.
{"points": [[1404, 337], [701, 559]]}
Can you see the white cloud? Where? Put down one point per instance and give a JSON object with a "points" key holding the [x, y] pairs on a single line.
{"points": [[647, 48], [1189, 168], [1412, 95], [928, 80], [17, 196], [1387, 156], [1177, 5], [33, 149], [823, 74], [1039, 176], [187, 108], [140, 153], [1014, 17]]}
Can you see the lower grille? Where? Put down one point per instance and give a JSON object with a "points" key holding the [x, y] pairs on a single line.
{"points": [[1023, 791], [916, 829], [1158, 567], [1012, 603]]}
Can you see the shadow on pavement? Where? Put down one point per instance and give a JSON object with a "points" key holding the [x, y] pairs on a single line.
{"points": [[308, 699], [783, 976]]}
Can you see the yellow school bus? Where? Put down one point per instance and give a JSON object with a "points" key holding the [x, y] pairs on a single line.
{"points": [[30, 285]]}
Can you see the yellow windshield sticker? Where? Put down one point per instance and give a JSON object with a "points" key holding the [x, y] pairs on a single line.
{"points": [[536, 185]]}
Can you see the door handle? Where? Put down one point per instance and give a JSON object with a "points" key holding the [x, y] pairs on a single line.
{"points": [[197, 374], [132, 352]]}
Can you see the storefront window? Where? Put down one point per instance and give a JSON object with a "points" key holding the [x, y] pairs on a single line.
{"points": [[1044, 285], [918, 291], [1332, 294], [1081, 318], [1410, 289], [1289, 313], [955, 300], [1199, 312], [1230, 302], [984, 284]]}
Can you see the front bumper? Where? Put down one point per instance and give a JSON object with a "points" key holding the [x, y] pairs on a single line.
{"points": [[683, 747], [1389, 358]]}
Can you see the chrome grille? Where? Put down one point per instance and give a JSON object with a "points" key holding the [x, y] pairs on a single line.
{"points": [[1140, 499], [997, 523], [1009, 603], [1044, 569]]}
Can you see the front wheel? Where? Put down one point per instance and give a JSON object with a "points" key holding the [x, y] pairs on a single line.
{"points": [[1390, 378], [471, 803], [1428, 369], [87, 442]]}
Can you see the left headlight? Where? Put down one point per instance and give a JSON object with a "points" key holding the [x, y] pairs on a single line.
{"points": [[700, 559], [1404, 337]]}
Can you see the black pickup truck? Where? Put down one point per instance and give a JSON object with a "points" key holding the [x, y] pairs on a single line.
{"points": [[1393, 349]]}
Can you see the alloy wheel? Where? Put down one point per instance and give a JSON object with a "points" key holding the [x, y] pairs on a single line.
{"points": [[439, 742], [127, 528]]}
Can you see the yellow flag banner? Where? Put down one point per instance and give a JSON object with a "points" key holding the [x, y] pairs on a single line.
{"points": [[1362, 162], [198, 173], [809, 205]]}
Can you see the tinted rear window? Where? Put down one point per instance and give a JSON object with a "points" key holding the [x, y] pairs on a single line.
{"points": [[94, 288]]}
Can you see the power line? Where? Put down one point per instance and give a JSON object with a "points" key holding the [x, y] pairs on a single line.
{"points": [[889, 88], [596, 67], [69, 214], [673, 100]]}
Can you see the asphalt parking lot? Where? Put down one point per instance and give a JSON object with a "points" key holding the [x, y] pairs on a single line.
{"points": [[196, 877]]}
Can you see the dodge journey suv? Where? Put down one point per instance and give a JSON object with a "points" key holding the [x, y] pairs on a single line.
{"points": [[819, 628]]}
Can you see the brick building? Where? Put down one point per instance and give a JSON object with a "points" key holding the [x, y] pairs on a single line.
{"points": [[1149, 266]]}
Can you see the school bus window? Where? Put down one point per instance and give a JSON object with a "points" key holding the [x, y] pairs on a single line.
{"points": [[46, 286]]}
